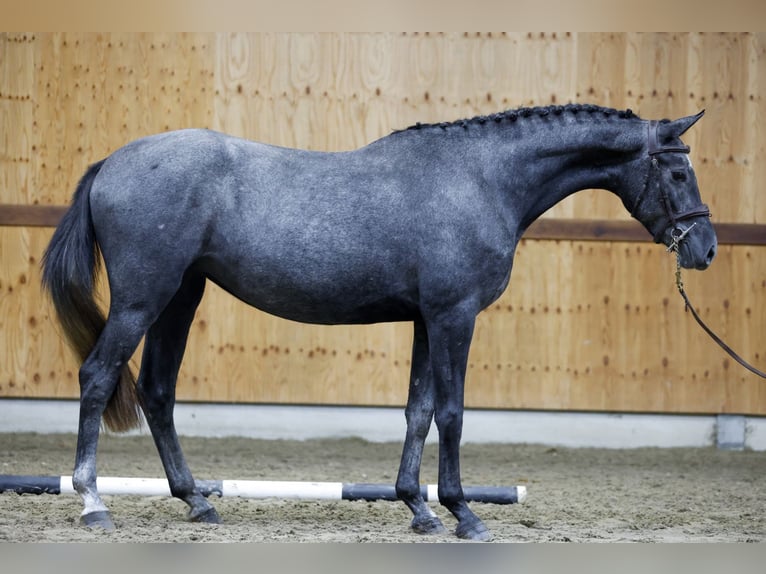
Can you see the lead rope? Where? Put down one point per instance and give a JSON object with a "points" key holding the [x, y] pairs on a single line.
{"points": [[689, 307]]}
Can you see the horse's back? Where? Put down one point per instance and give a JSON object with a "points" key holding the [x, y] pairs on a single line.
{"points": [[293, 232], [317, 237]]}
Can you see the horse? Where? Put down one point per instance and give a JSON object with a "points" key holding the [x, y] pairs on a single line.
{"points": [[419, 226]]}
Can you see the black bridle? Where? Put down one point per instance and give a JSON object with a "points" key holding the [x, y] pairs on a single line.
{"points": [[673, 218], [677, 233]]}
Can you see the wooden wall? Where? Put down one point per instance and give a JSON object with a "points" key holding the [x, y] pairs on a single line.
{"points": [[585, 325]]}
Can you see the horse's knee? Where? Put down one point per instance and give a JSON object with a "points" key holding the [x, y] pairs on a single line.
{"points": [[449, 420], [419, 422], [154, 399]]}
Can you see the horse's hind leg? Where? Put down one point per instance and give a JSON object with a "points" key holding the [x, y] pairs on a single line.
{"points": [[99, 376], [163, 350], [419, 414]]}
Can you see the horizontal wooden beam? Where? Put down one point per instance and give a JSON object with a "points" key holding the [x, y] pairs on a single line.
{"points": [[31, 215], [741, 233], [542, 229], [629, 230], [587, 230]]}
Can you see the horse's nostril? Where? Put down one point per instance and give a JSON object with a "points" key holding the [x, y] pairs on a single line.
{"points": [[711, 255]]}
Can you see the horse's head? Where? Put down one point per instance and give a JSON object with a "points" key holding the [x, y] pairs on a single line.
{"points": [[669, 205]]}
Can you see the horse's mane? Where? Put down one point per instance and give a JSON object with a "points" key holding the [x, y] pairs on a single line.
{"points": [[519, 113]]}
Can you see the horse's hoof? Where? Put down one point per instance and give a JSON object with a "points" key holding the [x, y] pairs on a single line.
{"points": [[209, 516], [99, 519], [474, 530], [428, 525]]}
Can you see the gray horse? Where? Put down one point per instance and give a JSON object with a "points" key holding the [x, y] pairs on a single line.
{"points": [[420, 225]]}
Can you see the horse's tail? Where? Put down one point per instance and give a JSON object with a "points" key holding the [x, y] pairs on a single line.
{"points": [[70, 267]]}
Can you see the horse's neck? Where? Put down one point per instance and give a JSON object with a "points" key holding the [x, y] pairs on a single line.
{"points": [[549, 166]]}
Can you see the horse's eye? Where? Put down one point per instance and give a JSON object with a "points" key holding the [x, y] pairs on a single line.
{"points": [[679, 176]]}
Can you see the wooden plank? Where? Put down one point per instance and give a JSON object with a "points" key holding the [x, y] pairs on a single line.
{"points": [[31, 215], [632, 231], [17, 104], [584, 229], [542, 229], [740, 233]]}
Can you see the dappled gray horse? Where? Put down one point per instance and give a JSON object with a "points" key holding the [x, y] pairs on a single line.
{"points": [[418, 226]]}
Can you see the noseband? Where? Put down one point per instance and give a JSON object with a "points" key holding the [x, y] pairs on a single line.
{"points": [[655, 149]]}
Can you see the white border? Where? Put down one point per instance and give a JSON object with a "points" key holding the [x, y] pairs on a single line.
{"points": [[376, 424]]}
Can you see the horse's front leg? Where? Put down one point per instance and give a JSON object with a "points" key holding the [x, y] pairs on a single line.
{"points": [[419, 413], [449, 341]]}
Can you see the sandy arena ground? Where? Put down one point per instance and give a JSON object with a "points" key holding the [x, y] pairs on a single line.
{"points": [[578, 495]]}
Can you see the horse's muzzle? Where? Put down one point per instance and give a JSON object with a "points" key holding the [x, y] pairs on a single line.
{"points": [[697, 254]]}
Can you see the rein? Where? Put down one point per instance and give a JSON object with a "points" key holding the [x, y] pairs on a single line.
{"points": [[678, 234], [708, 330]]}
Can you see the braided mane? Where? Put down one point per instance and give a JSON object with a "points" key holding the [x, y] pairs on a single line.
{"points": [[513, 115]]}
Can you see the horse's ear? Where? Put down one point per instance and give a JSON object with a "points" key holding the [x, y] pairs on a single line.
{"points": [[678, 127]]}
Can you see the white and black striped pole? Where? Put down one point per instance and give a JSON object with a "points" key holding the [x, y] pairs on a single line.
{"points": [[295, 490]]}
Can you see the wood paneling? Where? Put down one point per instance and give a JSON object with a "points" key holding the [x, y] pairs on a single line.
{"points": [[590, 325]]}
